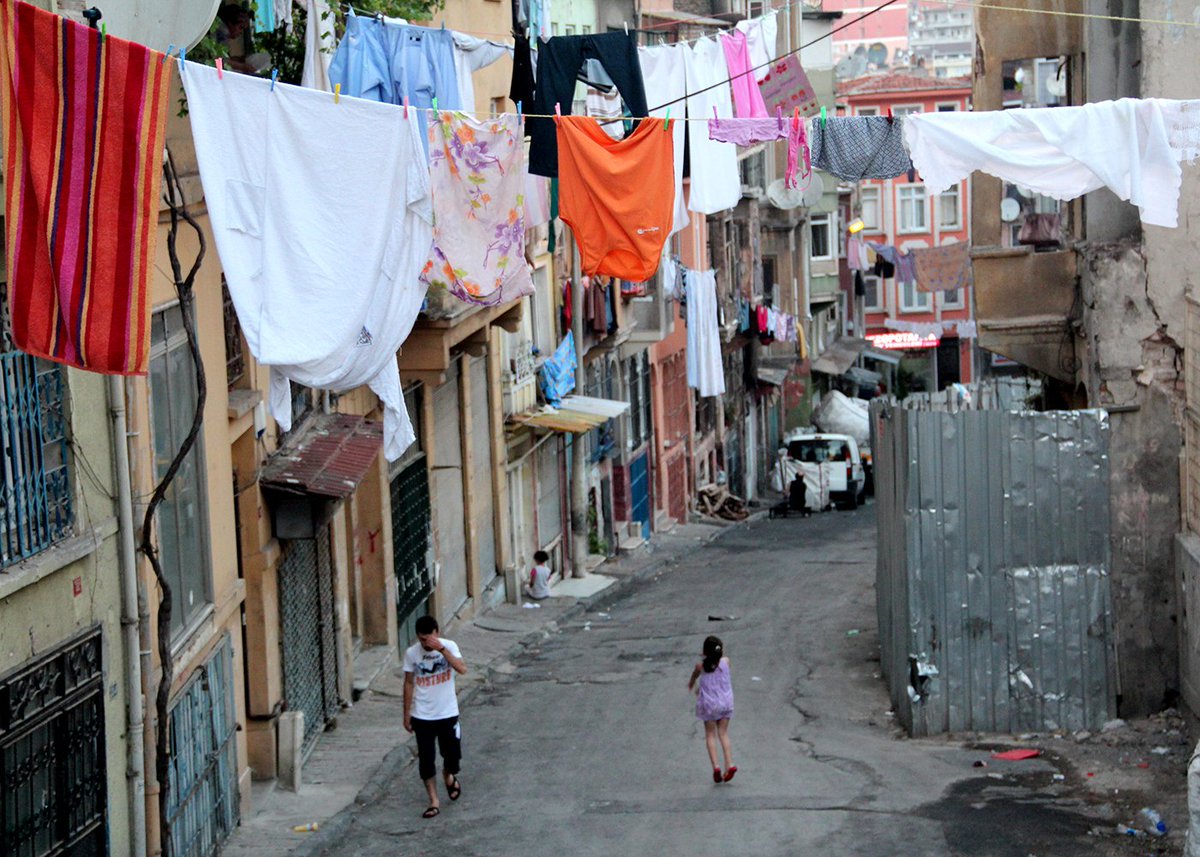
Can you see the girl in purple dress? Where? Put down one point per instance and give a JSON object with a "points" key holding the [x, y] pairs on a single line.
{"points": [[714, 704]]}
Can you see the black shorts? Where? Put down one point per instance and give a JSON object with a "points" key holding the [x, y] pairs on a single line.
{"points": [[447, 735]]}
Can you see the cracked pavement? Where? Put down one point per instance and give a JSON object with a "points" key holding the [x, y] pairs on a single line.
{"points": [[586, 743]]}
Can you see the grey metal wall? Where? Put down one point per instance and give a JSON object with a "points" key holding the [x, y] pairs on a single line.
{"points": [[993, 570]]}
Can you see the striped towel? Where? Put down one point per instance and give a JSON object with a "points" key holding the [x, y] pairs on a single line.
{"points": [[84, 126]]}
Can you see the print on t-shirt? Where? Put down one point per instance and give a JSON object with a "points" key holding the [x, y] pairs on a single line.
{"points": [[433, 681]]}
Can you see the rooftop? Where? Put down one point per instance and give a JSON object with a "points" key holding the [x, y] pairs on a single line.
{"points": [[900, 82]]}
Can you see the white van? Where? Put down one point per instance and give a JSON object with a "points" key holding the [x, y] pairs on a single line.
{"points": [[847, 484]]}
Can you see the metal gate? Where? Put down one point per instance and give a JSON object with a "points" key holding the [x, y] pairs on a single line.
{"points": [[639, 492], [53, 779], [204, 807], [410, 541], [308, 634]]}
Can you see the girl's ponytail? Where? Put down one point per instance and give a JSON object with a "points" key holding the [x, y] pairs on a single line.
{"points": [[713, 652]]}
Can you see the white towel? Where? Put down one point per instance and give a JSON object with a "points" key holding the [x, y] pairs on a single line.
{"points": [[665, 79], [322, 266], [716, 182], [705, 371]]}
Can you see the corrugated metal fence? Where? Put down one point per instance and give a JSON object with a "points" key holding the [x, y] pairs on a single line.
{"points": [[993, 567]]}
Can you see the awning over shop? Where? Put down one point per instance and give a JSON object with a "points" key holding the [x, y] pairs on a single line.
{"points": [[578, 414], [882, 356], [839, 356], [328, 459]]}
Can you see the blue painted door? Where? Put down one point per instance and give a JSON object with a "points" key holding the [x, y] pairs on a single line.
{"points": [[639, 489]]}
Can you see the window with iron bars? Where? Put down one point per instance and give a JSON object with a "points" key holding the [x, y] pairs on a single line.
{"points": [[235, 355], [35, 484]]}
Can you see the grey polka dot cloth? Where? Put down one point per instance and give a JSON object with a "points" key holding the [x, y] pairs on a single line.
{"points": [[860, 147]]}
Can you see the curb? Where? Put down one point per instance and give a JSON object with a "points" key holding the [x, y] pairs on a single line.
{"points": [[326, 837]]}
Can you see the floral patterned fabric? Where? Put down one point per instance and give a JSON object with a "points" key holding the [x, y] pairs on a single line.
{"points": [[477, 171]]}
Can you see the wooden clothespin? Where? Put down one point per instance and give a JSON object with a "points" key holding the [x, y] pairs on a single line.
{"points": [[667, 120], [274, 77], [337, 93], [220, 69]]}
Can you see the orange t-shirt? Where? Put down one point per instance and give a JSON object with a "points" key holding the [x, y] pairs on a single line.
{"points": [[618, 196]]}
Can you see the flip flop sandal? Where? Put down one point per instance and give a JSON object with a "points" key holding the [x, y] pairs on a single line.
{"points": [[729, 774], [432, 812], [455, 790], [716, 775]]}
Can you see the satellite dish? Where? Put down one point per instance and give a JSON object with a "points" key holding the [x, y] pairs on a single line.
{"points": [[152, 23], [1010, 210], [812, 194], [783, 197]]}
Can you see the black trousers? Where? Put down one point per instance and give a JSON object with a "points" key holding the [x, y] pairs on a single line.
{"points": [[558, 64], [445, 733]]}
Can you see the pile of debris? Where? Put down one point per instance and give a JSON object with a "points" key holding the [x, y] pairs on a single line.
{"points": [[715, 501]]}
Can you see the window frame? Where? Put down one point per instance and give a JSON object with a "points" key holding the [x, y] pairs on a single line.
{"points": [[881, 304], [866, 111], [876, 191], [829, 221], [956, 192], [902, 209], [907, 109], [946, 107], [908, 307]]}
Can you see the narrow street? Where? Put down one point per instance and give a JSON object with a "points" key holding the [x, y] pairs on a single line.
{"points": [[589, 744]]}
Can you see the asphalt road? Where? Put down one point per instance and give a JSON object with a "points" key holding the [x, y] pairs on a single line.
{"points": [[589, 744]]}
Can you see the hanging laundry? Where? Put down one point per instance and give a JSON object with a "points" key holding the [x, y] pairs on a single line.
{"points": [[860, 147], [856, 254], [748, 132], [559, 62], [477, 174], [264, 15], [672, 277], [923, 329], [532, 18], [1133, 147], [780, 331], [558, 372], [362, 64], [85, 128], [566, 315], [318, 45], [705, 371], [786, 87], [665, 79], [762, 35], [597, 299], [605, 108], [324, 275], [965, 329], [900, 262], [747, 99], [470, 55], [520, 90], [616, 195], [765, 335], [716, 183], [537, 199], [942, 269]]}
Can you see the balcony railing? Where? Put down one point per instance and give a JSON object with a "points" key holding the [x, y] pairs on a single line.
{"points": [[35, 488]]}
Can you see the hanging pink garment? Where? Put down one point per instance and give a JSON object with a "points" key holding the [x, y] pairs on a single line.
{"points": [[747, 99]]}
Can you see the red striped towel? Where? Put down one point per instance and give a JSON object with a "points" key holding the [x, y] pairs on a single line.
{"points": [[84, 126]]}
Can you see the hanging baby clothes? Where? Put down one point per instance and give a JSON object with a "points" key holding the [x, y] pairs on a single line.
{"points": [[860, 147], [470, 55], [324, 274], [665, 79], [705, 372], [84, 121], [1132, 146], [942, 269], [318, 45], [761, 36], [559, 62], [748, 132], [616, 195], [477, 174], [747, 99], [716, 183]]}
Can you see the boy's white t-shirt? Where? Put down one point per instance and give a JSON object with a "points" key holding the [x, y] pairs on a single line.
{"points": [[539, 586], [433, 681]]}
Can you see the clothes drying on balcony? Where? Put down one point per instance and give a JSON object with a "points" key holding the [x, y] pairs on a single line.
{"points": [[324, 274], [477, 175], [85, 123], [860, 147], [1132, 146]]}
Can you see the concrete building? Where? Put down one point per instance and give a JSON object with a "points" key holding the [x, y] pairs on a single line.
{"points": [[877, 36], [1105, 312], [901, 213], [941, 38]]}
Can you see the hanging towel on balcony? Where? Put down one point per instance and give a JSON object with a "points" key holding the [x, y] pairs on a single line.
{"points": [[747, 98], [859, 147], [617, 196], [324, 275], [705, 372], [1132, 146], [716, 184], [85, 126], [477, 173]]}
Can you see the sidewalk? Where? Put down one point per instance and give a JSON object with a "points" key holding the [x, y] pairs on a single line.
{"points": [[354, 762]]}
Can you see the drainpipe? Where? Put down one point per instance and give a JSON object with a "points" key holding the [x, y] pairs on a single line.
{"points": [[132, 624]]}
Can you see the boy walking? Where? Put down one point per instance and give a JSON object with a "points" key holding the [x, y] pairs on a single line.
{"points": [[431, 708]]}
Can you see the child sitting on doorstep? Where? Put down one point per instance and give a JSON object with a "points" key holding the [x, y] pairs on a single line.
{"points": [[539, 578]]}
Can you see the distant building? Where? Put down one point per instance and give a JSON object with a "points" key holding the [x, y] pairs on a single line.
{"points": [[874, 36], [941, 38]]}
